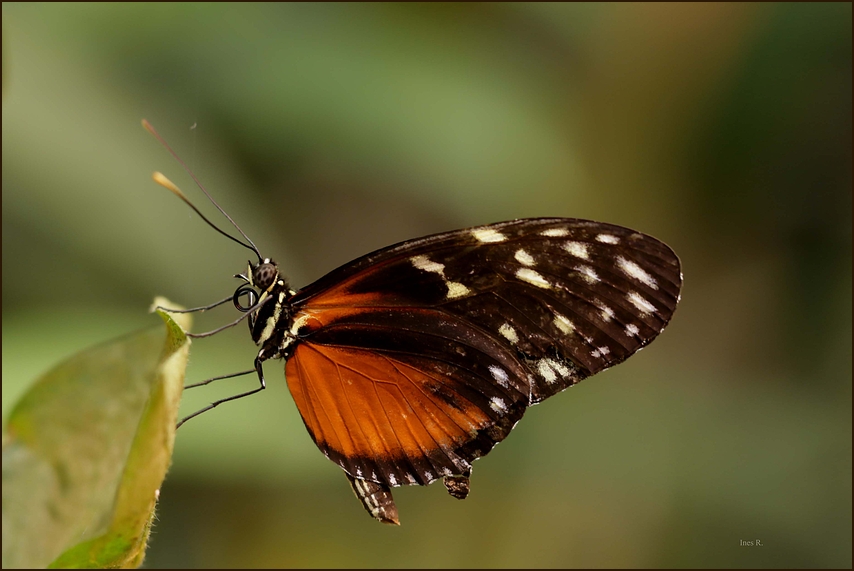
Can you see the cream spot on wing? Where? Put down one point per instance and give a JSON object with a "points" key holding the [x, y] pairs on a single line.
{"points": [[577, 249], [456, 289], [524, 257], [632, 330], [497, 404], [500, 375], [508, 333], [607, 313], [607, 239], [392, 480], [426, 264], [559, 367], [642, 304], [588, 273], [533, 278], [563, 324], [488, 235], [635, 271], [555, 232], [546, 371], [549, 369]]}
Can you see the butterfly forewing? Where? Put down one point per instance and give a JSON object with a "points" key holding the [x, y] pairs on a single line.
{"points": [[416, 359]]}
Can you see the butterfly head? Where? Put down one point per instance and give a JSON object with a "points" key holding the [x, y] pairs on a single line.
{"points": [[263, 274]]}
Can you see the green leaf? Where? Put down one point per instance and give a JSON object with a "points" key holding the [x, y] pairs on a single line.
{"points": [[86, 450]]}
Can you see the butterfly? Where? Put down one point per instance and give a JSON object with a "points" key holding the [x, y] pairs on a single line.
{"points": [[411, 362]]}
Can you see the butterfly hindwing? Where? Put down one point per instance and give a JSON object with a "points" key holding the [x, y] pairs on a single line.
{"points": [[405, 396]]}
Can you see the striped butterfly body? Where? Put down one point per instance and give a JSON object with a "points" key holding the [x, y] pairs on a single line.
{"points": [[413, 361]]}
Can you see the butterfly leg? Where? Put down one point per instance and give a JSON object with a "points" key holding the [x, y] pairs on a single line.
{"points": [[215, 404], [376, 498], [206, 381]]}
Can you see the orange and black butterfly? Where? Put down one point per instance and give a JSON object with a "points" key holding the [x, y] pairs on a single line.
{"points": [[411, 362]]}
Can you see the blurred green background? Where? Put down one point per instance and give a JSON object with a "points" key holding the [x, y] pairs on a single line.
{"points": [[327, 131]]}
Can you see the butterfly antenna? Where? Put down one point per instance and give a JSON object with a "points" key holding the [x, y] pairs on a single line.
{"points": [[168, 184]]}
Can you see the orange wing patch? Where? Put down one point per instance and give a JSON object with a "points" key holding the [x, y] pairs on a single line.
{"points": [[380, 418]]}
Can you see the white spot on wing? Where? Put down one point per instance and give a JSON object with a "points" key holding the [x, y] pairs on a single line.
{"points": [[507, 331], [488, 235], [524, 257], [555, 232], [533, 278], [632, 330], [635, 271], [642, 304], [577, 249], [600, 352], [588, 273], [497, 405], [392, 480], [500, 375], [607, 239], [563, 324]]}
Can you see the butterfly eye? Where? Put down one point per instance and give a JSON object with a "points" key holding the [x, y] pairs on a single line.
{"points": [[264, 276], [245, 291]]}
